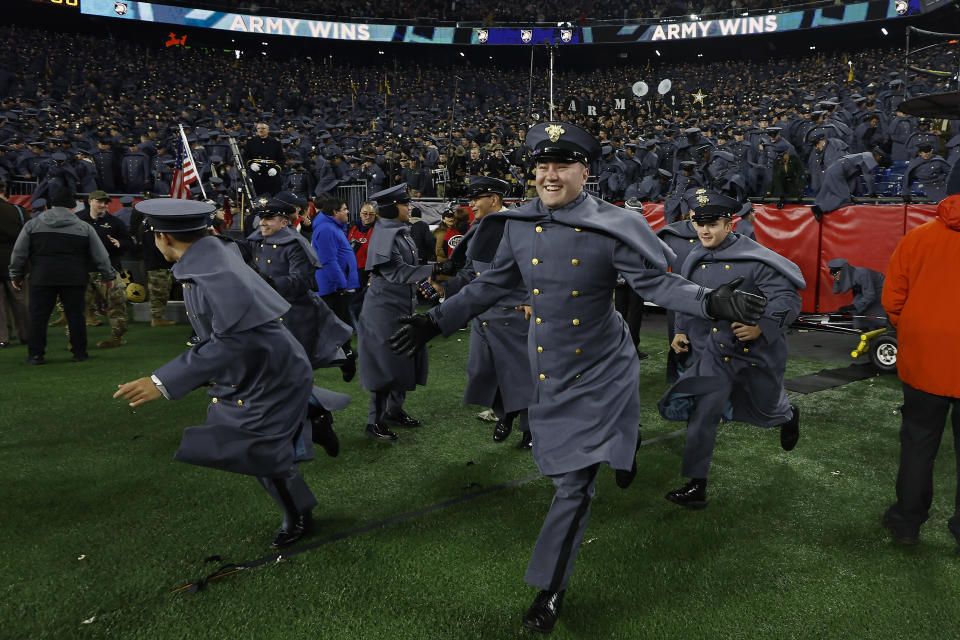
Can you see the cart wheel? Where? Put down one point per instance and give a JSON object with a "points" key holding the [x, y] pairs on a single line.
{"points": [[883, 353]]}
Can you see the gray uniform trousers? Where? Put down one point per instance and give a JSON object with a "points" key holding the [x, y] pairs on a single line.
{"points": [[702, 429], [383, 402], [290, 491], [552, 562]]}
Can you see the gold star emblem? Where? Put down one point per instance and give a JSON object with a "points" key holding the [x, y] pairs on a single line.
{"points": [[699, 96], [703, 200], [554, 131]]}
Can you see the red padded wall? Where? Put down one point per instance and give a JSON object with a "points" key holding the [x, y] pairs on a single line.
{"points": [[917, 214], [865, 235]]}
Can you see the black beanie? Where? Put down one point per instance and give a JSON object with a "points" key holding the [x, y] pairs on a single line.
{"points": [[63, 197]]}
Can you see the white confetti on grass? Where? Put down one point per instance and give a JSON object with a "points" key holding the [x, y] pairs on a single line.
{"points": [[90, 620], [81, 556]]}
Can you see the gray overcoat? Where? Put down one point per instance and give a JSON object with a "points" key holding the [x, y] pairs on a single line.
{"points": [[586, 405], [757, 366], [290, 262], [498, 341], [258, 374], [394, 273]]}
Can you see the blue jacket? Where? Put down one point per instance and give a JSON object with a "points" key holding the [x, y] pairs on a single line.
{"points": [[338, 263]]}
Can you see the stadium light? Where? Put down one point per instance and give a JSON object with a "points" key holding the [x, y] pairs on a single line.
{"points": [[883, 30], [812, 48], [463, 55], [693, 16], [656, 51]]}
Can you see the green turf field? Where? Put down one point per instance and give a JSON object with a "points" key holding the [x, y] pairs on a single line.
{"points": [[100, 524]]}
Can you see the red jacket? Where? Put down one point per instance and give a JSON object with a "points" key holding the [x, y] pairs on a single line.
{"points": [[922, 298], [359, 236]]}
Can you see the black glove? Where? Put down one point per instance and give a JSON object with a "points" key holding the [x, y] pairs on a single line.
{"points": [[419, 330], [780, 203], [445, 268], [906, 197], [847, 310], [726, 303]]}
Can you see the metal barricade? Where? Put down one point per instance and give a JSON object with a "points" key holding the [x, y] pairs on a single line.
{"points": [[21, 187], [354, 195]]}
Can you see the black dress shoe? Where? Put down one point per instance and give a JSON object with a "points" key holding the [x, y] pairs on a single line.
{"points": [[901, 533], [290, 535], [349, 367], [692, 495], [400, 419], [526, 442], [323, 433], [34, 360], [790, 431], [502, 431], [543, 613], [380, 432], [625, 478], [641, 355], [80, 357]]}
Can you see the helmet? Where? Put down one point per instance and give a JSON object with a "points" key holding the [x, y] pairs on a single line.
{"points": [[136, 292]]}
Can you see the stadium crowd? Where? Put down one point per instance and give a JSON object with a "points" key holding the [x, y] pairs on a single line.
{"points": [[83, 116], [504, 11]]}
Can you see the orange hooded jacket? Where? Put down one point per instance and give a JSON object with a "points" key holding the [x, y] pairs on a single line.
{"points": [[922, 298]]}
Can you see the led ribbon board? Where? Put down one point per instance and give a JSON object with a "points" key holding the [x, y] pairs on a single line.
{"points": [[602, 34]]}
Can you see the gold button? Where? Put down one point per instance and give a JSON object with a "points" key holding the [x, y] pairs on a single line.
{"points": [[214, 401], [539, 229], [188, 313], [478, 273], [484, 323], [539, 349], [543, 377], [691, 239], [577, 376], [703, 266], [574, 293], [274, 246], [258, 259], [506, 324], [726, 266], [726, 358], [714, 329], [539, 320], [535, 261], [578, 351], [575, 262], [753, 364], [577, 229], [576, 322], [745, 350], [261, 245], [268, 261], [240, 402], [281, 319], [722, 345], [536, 292]]}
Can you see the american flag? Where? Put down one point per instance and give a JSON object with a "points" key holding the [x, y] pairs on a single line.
{"points": [[184, 173]]}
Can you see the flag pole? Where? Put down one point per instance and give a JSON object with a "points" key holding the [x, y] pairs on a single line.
{"points": [[186, 149]]}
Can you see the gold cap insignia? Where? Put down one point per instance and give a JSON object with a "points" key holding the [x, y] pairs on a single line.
{"points": [[554, 131], [699, 191], [703, 200]]}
